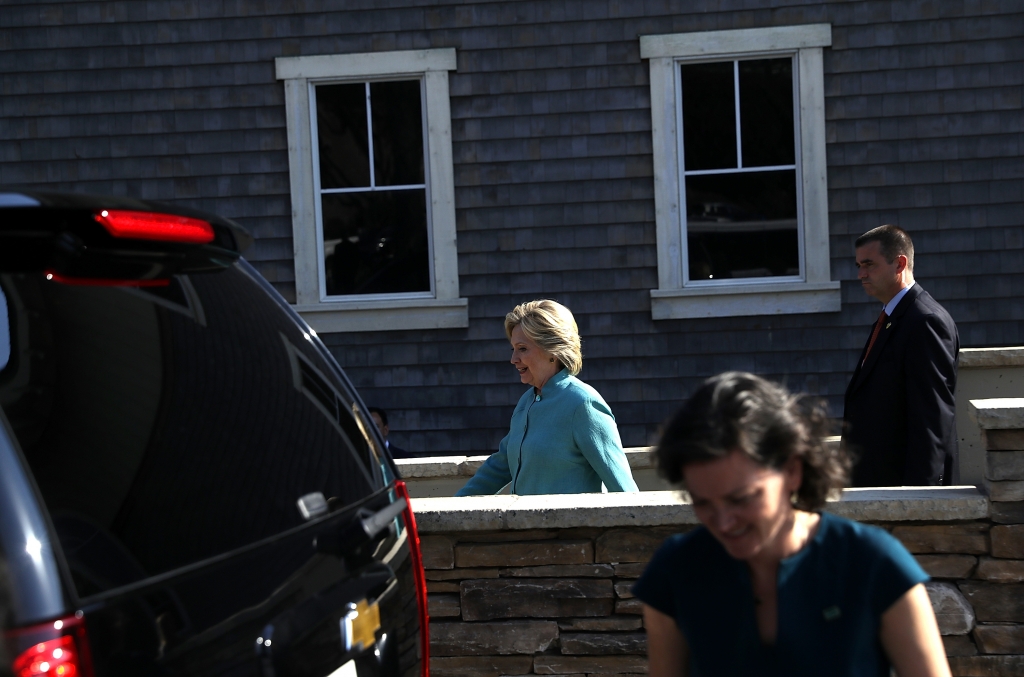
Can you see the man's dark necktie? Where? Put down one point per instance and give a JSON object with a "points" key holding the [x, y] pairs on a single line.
{"points": [[874, 335]]}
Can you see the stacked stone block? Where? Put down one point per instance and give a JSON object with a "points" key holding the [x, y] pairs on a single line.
{"points": [[991, 575], [562, 605], [541, 601], [558, 601]]}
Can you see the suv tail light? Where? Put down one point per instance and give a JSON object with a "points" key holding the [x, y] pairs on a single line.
{"points": [[419, 575], [56, 649], [155, 226]]}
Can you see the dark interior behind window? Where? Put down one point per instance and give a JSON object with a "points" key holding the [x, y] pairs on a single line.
{"points": [[709, 115], [373, 215], [740, 178]]}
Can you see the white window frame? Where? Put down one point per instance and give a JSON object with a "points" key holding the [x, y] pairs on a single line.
{"points": [[814, 291], [441, 308]]}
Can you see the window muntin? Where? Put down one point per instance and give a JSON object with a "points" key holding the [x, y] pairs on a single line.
{"points": [[373, 216], [739, 169]]}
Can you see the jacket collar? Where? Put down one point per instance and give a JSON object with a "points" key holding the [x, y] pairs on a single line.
{"points": [[888, 328], [906, 301], [556, 383], [890, 307]]}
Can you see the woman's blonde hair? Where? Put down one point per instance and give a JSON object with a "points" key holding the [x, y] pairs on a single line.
{"points": [[552, 327]]}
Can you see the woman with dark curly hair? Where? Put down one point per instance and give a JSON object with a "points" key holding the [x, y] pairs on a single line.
{"points": [[769, 585]]}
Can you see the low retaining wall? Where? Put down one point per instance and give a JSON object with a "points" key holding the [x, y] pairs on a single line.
{"points": [[444, 475], [540, 584], [983, 372]]}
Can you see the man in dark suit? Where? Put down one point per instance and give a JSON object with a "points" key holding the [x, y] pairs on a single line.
{"points": [[380, 417], [899, 415]]}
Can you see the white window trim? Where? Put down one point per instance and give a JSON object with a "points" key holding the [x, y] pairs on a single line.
{"points": [[442, 309], [816, 292]]}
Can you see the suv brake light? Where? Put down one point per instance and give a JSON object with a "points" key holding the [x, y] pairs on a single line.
{"points": [[52, 657], [58, 649], [419, 575], [155, 226]]}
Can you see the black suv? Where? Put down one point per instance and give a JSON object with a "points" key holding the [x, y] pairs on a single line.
{"points": [[189, 484]]}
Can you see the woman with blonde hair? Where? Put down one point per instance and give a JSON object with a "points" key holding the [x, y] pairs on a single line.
{"points": [[563, 438]]}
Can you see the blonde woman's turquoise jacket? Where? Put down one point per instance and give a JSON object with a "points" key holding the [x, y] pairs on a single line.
{"points": [[562, 441]]}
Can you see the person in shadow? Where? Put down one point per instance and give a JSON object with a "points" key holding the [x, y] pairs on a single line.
{"points": [[380, 417]]}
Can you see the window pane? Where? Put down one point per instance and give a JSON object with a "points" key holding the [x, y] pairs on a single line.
{"points": [[766, 112], [709, 116], [376, 243], [742, 225], [397, 133], [166, 428], [343, 139]]}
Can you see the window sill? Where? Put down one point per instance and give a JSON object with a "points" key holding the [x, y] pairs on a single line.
{"points": [[387, 315], [788, 298]]}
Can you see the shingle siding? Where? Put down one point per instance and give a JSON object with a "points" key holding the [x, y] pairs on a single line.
{"points": [[553, 170]]}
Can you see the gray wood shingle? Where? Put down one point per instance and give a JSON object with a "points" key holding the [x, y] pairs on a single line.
{"points": [[553, 171]]}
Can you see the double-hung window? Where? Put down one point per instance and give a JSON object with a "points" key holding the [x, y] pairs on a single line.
{"points": [[373, 209], [739, 161]]}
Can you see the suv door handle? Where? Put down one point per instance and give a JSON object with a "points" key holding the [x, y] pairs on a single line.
{"points": [[364, 528]]}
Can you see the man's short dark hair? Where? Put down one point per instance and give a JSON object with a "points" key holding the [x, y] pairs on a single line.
{"points": [[380, 412], [892, 240]]}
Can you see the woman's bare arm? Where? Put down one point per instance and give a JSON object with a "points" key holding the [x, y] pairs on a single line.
{"points": [[667, 651], [910, 636]]}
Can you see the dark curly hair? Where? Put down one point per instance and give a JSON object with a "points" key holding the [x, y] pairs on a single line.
{"points": [[740, 411]]}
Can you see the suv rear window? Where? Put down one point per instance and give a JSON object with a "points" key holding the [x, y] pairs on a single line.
{"points": [[170, 424]]}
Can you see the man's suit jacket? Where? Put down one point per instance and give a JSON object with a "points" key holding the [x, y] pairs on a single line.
{"points": [[899, 415], [399, 453]]}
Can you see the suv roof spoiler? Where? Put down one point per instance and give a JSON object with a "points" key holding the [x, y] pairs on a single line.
{"points": [[90, 237]]}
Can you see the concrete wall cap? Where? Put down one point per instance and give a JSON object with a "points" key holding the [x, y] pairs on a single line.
{"points": [[999, 413], [430, 466], [899, 504], [987, 358], [639, 458], [662, 508]]}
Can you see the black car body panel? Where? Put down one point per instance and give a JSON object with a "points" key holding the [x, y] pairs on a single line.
{"points": [[159, 424]]}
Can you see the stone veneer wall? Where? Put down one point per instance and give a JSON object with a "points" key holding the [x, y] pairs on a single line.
{"points": [[983, 373], [540, 584], [995, 589]]}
